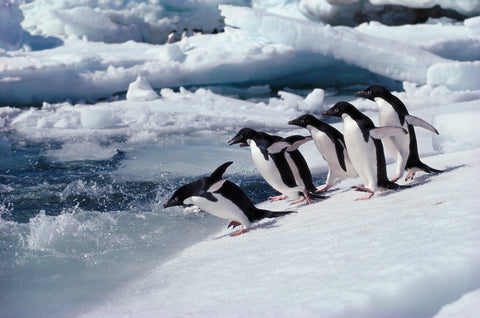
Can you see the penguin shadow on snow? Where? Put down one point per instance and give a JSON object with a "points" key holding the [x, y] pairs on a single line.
{"points": [[421, 180]]}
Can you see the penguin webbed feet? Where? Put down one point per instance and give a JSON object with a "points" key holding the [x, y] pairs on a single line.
{"points": [[233, 224], [277, 198], [324, 189], [237, 233], [410, 176], [363, 189]]}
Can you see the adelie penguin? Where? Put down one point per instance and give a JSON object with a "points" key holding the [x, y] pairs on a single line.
{"points": [[223, 199], [331, 145], [403, 148], [364, 147], [274, 166], [299, 167]]}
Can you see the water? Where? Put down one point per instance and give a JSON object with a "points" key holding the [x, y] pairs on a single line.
{"points": [[80, 218]]}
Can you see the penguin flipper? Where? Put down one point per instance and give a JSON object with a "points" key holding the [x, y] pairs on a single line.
{"points": [[294, 146], [387, 131], [264, 151], [415, 121], [276, 147], [216, 186], [218, 173]]}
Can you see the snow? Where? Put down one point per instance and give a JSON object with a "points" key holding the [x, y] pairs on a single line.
{"points": [[298, 52], [96, 79], [466, 307], [141, 90], [396, 255]]}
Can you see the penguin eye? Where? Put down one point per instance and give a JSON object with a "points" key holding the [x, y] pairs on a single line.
{"points": [[336, 110], [240, 136], [302, 121], [176, 199]]}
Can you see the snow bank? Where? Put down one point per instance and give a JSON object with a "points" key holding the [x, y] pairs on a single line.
{"points": [[455, 75], [11, 32], [393, 256], [267, 49], [141, 90], [465, 307], [467, 7], [113, 21], [389, 58]]}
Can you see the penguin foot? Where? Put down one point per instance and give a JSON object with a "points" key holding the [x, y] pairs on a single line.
{"points": [[278, 198], [324, 189], [237, 233], [409, 176], [363, 189], [233, 224], [368, 196], [301, 200], [394, 179]]}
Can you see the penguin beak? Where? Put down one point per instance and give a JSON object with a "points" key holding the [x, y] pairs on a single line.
{"points": [[292, 122], [170, 203], [363, 94], [235, 140]]}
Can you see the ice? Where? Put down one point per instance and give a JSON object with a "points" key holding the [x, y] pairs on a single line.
{"points": [[455, 75], [466, 307], [469, 7], [141, 90], [459, 131], [84, 81], [298, 52], [11, 32]]}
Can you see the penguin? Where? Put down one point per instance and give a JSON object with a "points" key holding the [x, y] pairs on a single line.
{"points": [[364, 147], [171, 38], [297, 163], [223, 199], [403, 148], [273, 166], [331, 145]]}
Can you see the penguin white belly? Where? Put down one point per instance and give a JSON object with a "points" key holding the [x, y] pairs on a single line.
{"points": [[363, 155], [398, 146], [222, 208], [270, 173], [327, 149]]}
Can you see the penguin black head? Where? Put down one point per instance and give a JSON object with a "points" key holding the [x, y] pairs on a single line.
{"points": [[184, 192], [197, 188], [339, 109], [303, 121], [242, 136], [374, 91]]}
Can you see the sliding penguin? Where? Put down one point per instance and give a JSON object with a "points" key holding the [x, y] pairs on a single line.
{"points": [[365, 148], [331, 145], [273, 167], [296, 161], [403, 148], [223, 199]]}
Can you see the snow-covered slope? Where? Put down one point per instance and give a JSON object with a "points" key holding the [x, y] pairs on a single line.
{"points": [[400, 254]]}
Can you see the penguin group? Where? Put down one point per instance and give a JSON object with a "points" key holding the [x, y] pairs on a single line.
{"points": [[358, 152]]}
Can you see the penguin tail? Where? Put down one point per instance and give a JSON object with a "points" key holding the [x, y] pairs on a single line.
{"points": [[262, 214], [428, 169], [316, 196], [389, 185]]}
